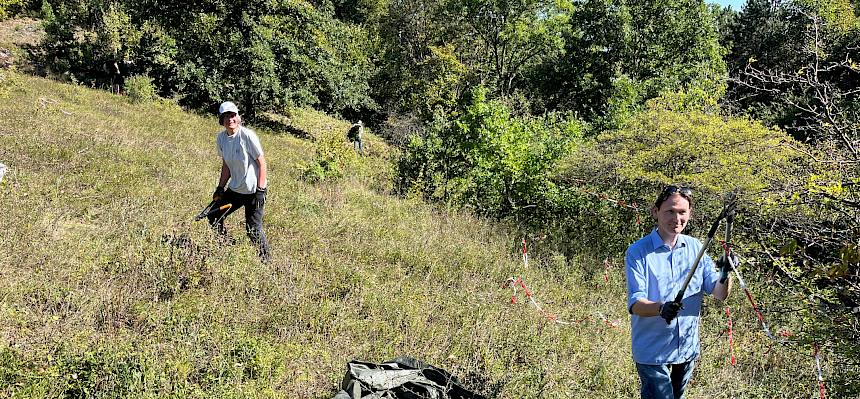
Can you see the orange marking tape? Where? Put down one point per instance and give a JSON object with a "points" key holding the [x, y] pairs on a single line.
{"points": [[731, 339]]}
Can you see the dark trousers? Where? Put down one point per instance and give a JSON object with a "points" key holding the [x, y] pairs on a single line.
{"points": [[253, 218]]}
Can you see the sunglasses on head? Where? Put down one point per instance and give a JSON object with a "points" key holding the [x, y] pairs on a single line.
{"points": [[683, 190], [667, 192]]}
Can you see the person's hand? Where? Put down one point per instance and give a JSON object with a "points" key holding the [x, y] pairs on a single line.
{"points": [[260, 197], [218, 194], [669, 310], [726, 265]]}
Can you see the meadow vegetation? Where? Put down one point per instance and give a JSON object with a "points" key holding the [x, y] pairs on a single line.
{"points": [[111, 290], [488, 122]]}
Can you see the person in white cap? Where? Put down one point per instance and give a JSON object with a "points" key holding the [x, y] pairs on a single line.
{"points": [[243, 180], [355, 133]]}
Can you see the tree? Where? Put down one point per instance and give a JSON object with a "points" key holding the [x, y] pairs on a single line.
{"points": [[487, 159], [671, 141], [619, 53], [505, 38], [408, 32], [458, 44], [438, 84], [794, 67], [359, 11], [764, 34], [264, 54]]}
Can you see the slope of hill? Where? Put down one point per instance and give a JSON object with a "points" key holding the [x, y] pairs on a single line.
{"points": [[109, 289]]}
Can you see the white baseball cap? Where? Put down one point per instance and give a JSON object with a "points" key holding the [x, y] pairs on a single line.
{"points": [[227, 106]]}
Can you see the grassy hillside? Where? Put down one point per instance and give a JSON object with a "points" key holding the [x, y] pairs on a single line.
{"points": [[98, 299]]}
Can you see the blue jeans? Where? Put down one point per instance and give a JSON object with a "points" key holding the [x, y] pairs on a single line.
{"points": [[665, 381]]}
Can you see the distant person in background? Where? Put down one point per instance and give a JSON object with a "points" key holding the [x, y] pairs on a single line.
{"points": [[355, 133], [665, 334], [243, 181], [117, 71]]}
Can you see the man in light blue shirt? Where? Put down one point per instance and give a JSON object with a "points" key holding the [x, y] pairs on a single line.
{"points": [[665, 334]]}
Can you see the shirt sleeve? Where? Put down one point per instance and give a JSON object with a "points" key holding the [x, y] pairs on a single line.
{"points": [[218, 145], [255, 149], [636, 281], [710, 275]]}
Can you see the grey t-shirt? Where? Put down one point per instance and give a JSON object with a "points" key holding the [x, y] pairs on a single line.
{"points": [[240, 151]]}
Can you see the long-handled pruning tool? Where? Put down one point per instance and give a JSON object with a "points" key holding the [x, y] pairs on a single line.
{"points": [[208, 210], [729, 221], [728, 211]]}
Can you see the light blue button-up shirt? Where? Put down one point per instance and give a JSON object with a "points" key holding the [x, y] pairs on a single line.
{"points": [[656, 273]]}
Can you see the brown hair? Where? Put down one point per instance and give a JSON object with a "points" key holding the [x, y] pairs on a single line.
{"points": [[684, 191]]}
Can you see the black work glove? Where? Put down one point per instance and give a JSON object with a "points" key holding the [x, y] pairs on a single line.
{"points": [[669, 310], [726, 265], [218, 194], [260, 197]]}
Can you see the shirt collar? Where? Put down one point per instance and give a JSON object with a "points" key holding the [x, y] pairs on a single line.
{"points": [[235, 134], [657, 242]]}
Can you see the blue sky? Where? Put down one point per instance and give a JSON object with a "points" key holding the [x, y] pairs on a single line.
{"points": [[736, 4]]}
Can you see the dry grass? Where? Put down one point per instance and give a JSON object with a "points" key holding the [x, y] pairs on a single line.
{"points": [[19, 32], [110, 290]]}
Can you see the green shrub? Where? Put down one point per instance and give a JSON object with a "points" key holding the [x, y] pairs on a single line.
{"points": [[47, 12], [9, 8], [670, 142], [101, 371], [140, 89], [332, 158], [486, 159]]}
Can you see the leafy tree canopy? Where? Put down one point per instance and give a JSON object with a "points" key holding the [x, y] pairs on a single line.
{"points": [[619, 53], [263, 54]]}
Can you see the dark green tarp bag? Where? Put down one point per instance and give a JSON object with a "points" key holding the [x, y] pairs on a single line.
{"points": [[401, 378]]}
